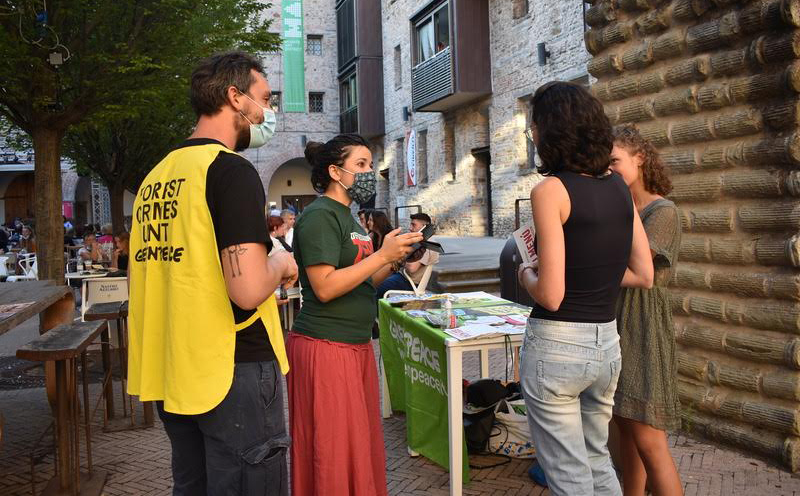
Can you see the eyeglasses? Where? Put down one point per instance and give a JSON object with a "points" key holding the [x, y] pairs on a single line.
{"points": [[529, 134]]}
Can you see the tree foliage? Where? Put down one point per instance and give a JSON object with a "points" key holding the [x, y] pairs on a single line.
{"points": [[120, 67], [116, 53], [121, 142]]}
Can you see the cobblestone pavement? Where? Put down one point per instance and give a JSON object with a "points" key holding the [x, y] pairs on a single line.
{"points": [[138, 462]]}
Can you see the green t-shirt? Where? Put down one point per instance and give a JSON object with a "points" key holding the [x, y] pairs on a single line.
{"points": [[327, 233]]}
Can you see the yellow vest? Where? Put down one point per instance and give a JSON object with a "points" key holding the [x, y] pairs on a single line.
{"points": [[182, 333]]}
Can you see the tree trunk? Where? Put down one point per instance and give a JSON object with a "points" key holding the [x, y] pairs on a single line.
{"points": [[117, 194], [49, 221]]}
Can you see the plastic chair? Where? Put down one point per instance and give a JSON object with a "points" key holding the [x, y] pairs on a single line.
{"points": [[416, 289], [419, 289], [3, 267], [29, 269]]}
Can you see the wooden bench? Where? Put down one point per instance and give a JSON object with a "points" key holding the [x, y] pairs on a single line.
{"points": [[21, 301], [117, 311], [104, 311], [64, 345]]}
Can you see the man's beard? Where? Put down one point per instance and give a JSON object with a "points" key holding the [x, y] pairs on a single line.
{"points": [[242, 137]]}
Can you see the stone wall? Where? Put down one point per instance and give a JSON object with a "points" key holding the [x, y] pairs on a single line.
{"points": [[714, 85], [456, 191], [69, 183], [319, 18]]}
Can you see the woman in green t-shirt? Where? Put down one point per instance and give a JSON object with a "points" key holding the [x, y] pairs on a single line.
{"points": [[334, 414]]}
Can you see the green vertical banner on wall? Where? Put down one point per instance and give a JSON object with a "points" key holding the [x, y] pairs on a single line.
{"points": [[294, 78]]}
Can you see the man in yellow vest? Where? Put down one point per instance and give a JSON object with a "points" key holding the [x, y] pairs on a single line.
{"points": [[205, 340]]}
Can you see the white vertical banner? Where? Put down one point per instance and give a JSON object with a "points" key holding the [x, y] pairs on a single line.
{"points": [[411, 158]]}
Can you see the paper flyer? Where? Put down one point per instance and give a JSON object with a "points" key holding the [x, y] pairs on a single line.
{"points": [[524, 239], [473, 331], [7, 311]]}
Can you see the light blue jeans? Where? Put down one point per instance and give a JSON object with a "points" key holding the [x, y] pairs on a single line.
{"points": [[569, 373]]}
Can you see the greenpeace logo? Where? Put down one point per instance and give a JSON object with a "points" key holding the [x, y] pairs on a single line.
{"points": [[413, 349]]}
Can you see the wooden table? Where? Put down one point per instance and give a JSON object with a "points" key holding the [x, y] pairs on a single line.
{"points": [[117, 311], [63, 346], [21, 301], [106, 312]]}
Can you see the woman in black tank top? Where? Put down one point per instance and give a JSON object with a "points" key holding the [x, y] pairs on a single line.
{"points": [[589, 241]]}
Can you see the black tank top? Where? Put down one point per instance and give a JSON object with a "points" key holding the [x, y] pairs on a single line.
{"points": [[597, 242]]}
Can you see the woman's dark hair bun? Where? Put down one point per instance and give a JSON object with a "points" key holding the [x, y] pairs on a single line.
{"points": [[333, 152], [313, 149]]}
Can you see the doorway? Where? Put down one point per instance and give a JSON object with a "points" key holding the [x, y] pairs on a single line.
{"points": [[297, 202], [20, 198], [482, 191]]}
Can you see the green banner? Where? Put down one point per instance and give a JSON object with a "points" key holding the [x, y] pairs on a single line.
{"points": [[294, 77], [415, 363]]}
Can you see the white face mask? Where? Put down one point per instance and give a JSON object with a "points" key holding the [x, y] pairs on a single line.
{"points": [[263, 132]]}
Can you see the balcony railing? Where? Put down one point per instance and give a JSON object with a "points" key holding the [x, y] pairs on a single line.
{"points": [[432, 80], [348, 121]]}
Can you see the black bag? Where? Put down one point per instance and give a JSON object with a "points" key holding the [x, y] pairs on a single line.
{"points": [[477, 429], [483, 394]]}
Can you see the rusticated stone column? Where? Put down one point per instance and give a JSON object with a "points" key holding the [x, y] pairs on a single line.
{"points": [[715, 85]]}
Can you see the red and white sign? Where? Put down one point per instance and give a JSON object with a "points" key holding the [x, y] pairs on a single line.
{"points": [[524, 238], [411, 158]]}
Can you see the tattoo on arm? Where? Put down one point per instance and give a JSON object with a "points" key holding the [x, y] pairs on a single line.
{"points": [[233, 259]]}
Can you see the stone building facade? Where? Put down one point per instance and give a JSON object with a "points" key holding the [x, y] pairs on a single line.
{"points": [[280, 163], [294, 129], [473, 160], [714, 84]]}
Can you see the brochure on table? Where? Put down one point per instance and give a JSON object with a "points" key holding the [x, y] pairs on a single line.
{"points": [[479, 314]]}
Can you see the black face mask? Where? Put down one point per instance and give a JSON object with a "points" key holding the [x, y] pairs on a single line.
{"points": [[363, 188]]}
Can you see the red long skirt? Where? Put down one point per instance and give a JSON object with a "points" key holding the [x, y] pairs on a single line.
{"points": [[334, 419]]}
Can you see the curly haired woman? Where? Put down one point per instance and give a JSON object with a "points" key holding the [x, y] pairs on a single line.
{"points": [[590, 242], [646, 401]]}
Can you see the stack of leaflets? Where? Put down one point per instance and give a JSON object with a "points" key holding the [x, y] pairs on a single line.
{"points": [[478, 314], [475, 331]]}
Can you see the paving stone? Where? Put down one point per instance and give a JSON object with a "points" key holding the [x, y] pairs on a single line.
{"points": [[138, 462]]}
